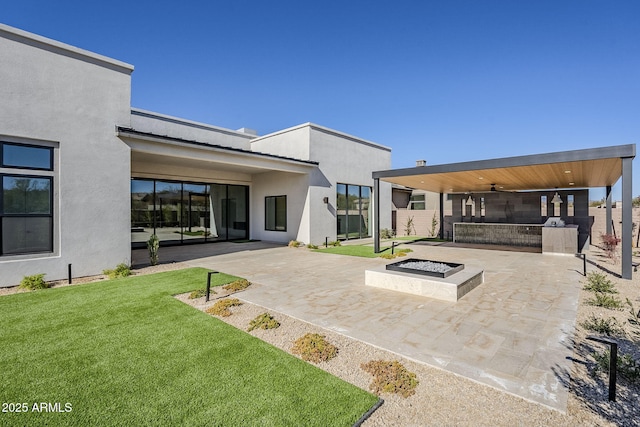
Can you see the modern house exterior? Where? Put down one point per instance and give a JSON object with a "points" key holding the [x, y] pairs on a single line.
{"points": [[85, 177]]}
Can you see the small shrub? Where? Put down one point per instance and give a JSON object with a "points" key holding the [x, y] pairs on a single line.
{"points": [[33, 282], [237, 285], [390, 377], [295, 244], [263, 321], [387, 233], [221, 307], [153, 244], [609, 326], [605, 300], [310, 246], [610, 243], [599, 282], [199, 293], [387, 256], [626, 366], [404, 251], [121, 270], [401, 254], [335, 243], [314, 348]]}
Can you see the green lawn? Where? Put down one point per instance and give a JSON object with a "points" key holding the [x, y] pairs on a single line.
{"points": [[126, 353], [365, 251]]}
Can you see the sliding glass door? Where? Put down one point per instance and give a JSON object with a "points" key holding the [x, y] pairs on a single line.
{"points": [[183, 212], [353, 211]]}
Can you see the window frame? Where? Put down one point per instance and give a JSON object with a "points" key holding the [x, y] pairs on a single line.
{"points": [[29, 168], [4, 215], [275, 213]]}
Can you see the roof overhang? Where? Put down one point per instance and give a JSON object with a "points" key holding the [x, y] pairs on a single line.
{"points": [[594, 167], [152, 148]]}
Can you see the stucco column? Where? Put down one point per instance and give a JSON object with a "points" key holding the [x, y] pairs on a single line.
{"points": [[376, 214], [627, 228], [608, 208]]}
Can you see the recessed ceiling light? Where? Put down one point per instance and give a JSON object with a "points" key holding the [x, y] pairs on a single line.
{"points": [[501, 186], [567, 171], [421, 182], [480, 177], [572, 183]]}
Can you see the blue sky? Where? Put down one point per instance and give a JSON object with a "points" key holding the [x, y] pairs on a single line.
{"points": [[444, 81]]}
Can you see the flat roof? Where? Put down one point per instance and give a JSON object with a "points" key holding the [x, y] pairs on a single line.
{"points": [[593, 167]]}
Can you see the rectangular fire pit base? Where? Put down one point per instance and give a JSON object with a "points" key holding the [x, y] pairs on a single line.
{"points": [[451, 288]]}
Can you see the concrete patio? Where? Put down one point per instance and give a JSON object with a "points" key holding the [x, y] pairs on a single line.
{"points": [[513, 332]]}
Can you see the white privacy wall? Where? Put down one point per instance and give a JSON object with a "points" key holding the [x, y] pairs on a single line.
{"points": [[61, 96]]}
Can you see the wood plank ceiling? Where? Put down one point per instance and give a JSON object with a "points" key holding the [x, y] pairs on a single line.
{"points": [[569, 174]]}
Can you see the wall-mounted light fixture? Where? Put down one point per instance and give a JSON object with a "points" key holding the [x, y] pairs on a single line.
{"points": [[556, 198], [469, 201], [325, 200]]}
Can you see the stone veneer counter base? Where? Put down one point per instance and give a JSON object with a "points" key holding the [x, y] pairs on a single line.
{"points": [[451, 288]]}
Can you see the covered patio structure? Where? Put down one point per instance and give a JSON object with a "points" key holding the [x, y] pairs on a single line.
{"points": [[576, 169]]}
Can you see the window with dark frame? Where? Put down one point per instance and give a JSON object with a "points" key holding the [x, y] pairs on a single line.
{"points": [[26, 199], [275, 213]]}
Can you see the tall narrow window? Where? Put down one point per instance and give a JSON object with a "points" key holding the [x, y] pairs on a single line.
{"points": [[275, 213], [543, 206], [482, 211], [26, 199], [570, 211]]}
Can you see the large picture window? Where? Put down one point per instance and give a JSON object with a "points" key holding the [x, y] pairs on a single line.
{"points": [[26, 199], [275, 213]]}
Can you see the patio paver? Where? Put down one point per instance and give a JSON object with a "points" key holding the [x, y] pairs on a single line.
{"points": [[512, 332]]}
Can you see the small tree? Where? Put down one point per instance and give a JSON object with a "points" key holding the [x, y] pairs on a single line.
{"points": [[153, 244], [408, 226], [434, 225]]}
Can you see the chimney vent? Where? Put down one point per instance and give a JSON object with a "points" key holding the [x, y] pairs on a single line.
{"points": [[421, 163]]}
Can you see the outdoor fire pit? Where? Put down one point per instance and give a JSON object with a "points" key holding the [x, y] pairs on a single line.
{"points": [[445, 281], [426, 267]]}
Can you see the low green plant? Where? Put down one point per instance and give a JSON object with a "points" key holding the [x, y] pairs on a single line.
{"points": [[388, 256], [390, 377], [608, 326], [387, 233], [295, 244], [401, 254], [311, 246], [153, 244], [599, 282], [237, 285], [263, 321], [626, 366], [605, 300], [314, 348], [121, 270], [335, 243], [221, 307], [34, 282]]}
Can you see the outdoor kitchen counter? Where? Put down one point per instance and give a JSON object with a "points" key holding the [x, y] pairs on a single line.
{"points": [[562, 240]]}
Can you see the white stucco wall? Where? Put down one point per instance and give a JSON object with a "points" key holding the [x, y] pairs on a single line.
{"points": [[160, 124], [342, 159], [72, 99], [295, 187]]}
